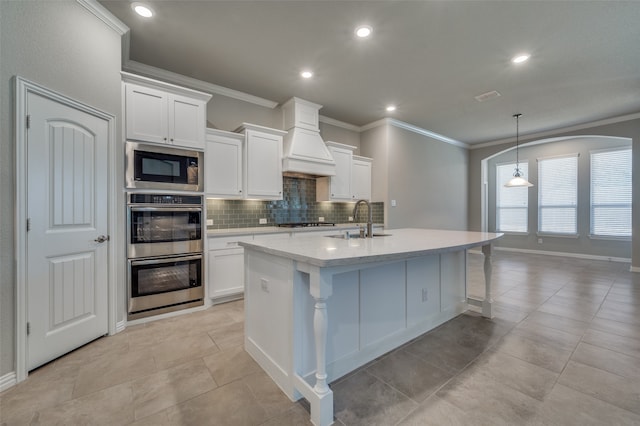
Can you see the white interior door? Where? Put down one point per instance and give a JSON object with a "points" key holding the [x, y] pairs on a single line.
{"points": [[67, 161]]}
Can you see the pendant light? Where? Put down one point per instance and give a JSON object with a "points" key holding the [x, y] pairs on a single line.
{"points": [[517, 180]]}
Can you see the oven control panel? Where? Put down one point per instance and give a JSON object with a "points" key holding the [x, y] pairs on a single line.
{"points": [[166, 199]]}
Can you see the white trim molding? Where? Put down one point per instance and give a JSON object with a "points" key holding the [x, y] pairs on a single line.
{"points": [[169, 76], [105, 16], [566, 254], [8, 381], [634, 268], [414, 129], [338, 123]]}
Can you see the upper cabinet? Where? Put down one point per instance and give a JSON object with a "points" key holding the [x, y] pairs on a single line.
{"points": [[223, 164], [262, 162], [361, 178], [352, 180], [164, 113]]}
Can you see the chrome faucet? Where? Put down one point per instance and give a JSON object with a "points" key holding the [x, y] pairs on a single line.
{"points": [[369, 221]]}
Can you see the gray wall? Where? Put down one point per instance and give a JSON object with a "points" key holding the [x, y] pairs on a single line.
{"points": [[426, 177], [627, 129], [583, 244], [63, 47]]}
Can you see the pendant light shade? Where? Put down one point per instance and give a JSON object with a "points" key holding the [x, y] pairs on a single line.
{"points": [[518, 180]]}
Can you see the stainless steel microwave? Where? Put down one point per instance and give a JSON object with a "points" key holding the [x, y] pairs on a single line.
{"points": [[162, 167]]}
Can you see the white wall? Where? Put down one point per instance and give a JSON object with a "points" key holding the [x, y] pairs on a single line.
{"points": [[63, 47]]}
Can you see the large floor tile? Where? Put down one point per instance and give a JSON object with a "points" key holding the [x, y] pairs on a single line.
{"points": [[608, 360], [268, 394], [362, 399], [229, 336], [295, 416], [154, 393], [516, 374], [625, 345], [233, 404], [617, 390], [435, 411], [230, 365], [178, 350], [547, 335], [409, 374], [615, 327], [557, 322], [443, 353], [534, 352]]}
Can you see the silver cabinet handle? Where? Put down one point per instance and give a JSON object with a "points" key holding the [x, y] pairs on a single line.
{"points": [[102, 239]]}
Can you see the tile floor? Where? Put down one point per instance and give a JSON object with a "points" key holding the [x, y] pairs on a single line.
{"points": [[563, 349]]}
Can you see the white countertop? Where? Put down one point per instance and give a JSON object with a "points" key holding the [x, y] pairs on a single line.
{"points": [[401, 244], [279, 230]]}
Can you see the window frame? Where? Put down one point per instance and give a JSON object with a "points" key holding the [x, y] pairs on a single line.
{"points": [[591, 203], [499, 185], [575, 206]]}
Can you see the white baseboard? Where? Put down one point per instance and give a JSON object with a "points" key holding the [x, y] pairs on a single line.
{"points": [[7, 381], [121, 325], [634, 268], [564, 254]]}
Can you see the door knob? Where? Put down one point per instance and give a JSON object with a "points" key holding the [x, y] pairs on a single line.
{"points": [[102, 239]]}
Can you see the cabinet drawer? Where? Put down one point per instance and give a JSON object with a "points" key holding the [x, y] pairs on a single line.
{"points": [[227, 242]]}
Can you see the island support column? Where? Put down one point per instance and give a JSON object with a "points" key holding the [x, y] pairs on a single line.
{"points": [[320, 287], [488, 299]]}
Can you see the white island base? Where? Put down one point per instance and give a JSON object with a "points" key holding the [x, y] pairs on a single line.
{"points": [[317, 308]]}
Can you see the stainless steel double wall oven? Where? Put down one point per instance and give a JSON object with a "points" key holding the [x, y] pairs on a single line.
{"points": [[165, 253]]}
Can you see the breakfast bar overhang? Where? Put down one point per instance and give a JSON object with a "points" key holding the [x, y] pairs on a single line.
{"points": [[319, 307]]}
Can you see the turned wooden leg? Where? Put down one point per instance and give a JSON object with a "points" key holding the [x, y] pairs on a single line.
{"points": [[320, 332], [488, 299]]}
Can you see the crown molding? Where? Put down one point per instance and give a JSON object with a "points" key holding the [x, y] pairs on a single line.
{"points": [[338, 123], [104, 15], [169, 76], [414, 129], [603, 122]]}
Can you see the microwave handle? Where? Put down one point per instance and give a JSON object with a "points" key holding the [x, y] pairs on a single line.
{"points": [[164, 260]]}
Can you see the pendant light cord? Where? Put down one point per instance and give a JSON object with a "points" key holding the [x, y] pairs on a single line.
{"points": [[517, 116]]}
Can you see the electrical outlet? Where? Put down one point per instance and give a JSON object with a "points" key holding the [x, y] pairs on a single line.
{"points": [[262, 221], [321, 219], [539, 240], [350, 218], [264, 285], [393, 203], [425, 295], [209, 222]]}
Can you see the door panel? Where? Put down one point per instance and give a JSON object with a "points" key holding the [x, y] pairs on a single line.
{"points": [[66, 204]]}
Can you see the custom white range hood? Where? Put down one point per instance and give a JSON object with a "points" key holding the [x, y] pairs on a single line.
{"points": [[304, 150]]}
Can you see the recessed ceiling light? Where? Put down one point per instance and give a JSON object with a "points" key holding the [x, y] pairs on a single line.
{"points": [[306, 74], [520, 58], [142, 10], [364, 31], [391, 108]]}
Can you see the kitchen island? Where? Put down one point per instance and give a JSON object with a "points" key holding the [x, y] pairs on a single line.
{"points": [[317, 308]]}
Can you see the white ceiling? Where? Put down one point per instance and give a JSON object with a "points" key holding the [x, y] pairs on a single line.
{"points": [[431, 58]]}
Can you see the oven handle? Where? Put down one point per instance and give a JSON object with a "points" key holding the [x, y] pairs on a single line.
{"points": [[165, 259], [173, 207]]}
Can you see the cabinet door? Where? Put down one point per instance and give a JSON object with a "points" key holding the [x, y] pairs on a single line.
{"points": [[186, 121], [341, 182], [263, 165], [361, 180], [223, 167], [225, 272], [146, 114]]}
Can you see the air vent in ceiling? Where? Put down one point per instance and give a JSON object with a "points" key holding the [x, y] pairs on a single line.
{"points": [[486, 96]]}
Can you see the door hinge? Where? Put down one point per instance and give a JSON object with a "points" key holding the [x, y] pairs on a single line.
{"points": [[28, 121], [28, 224], [28, 328]]}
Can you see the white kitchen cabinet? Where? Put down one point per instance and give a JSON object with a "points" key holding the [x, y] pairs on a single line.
{"points": [[164, 113], [338, 187], [262, 162], [361, 178], [353, 176], [223, 164], [225, 268]]}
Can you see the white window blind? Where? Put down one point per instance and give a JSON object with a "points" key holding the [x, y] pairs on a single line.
{"points": [[511, 203], [558, 195], [611, 193]]}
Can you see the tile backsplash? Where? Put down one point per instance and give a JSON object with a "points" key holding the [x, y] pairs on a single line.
{"points": [[298, 205]]}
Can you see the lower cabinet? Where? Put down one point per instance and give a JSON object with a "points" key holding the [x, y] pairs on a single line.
{"points": [[226, 273]]}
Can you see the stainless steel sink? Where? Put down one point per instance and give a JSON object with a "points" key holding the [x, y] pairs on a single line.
{"points": [[354, 236]]}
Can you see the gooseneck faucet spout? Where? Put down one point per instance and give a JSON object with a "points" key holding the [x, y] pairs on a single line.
{"points": [[369, 220]]}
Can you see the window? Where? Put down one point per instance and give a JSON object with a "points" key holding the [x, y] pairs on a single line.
{"points": [[558, 195], [511, 203], [611, 193]]}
